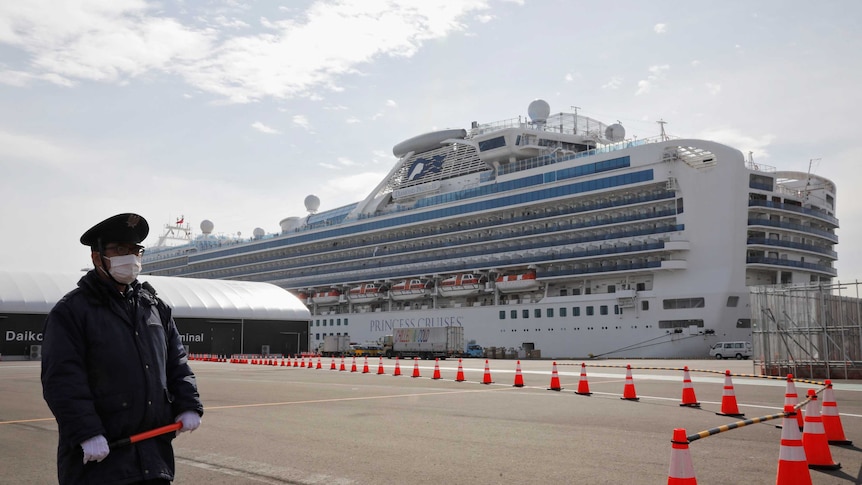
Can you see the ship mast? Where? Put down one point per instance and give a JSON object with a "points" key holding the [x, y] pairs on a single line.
{"points": [[175, 234]]}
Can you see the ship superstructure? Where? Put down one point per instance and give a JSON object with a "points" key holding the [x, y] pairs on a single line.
{"points": [[552, 233]]}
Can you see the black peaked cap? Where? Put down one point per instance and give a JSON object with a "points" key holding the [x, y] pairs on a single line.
{"points": [[121, 228]]}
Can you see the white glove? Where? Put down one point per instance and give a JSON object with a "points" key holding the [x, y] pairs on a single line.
{"points": [[190, 419], [95, 449]]}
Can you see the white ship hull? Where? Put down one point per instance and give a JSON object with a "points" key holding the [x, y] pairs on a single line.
{"points": [[628, 335], [639, 248]]}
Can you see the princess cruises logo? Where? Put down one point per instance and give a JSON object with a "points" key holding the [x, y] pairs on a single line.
{"points": [[424, 166]]}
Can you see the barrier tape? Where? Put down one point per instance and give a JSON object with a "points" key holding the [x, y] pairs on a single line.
{"points": [[705, 371]]}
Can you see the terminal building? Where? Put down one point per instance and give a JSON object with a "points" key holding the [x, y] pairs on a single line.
{"points": [[221, 317]]}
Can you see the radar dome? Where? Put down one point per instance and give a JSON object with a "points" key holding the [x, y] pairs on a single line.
{"points": [[312, 203], [539, 110], [258, 232], [207, 226], [615, 132]]}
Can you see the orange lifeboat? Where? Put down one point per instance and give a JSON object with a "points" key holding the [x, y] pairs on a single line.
{"points": [[327, 297], [412, 289], [366, 292], [460, 285], [517, 282]]}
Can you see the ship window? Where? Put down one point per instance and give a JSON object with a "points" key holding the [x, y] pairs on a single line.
{"points": [[743, 323], [576, 291], [550, 313], [641, 287], [645, 305], [679, 303], [339, 322], [514, 314], [617, 310], [588, 291], [679, 323], [679, 206], [563, 311], [502, 314], [492, 143], [526, 313], [537, 313], [576, 311], [324, 322], [612, 288], [590, 311], [345, 322], [317, 336], [732, 301]]}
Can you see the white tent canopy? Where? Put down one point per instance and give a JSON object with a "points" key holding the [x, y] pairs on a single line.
{"points": [[34, 292]]}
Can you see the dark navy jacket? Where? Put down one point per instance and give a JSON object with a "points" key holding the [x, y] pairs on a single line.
{"points": [[114, 365]]}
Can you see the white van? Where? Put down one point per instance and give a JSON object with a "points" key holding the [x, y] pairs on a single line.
{"points": [[739, 350]]}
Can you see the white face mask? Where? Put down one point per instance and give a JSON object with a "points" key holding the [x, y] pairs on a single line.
{"points": [[125, 269]]}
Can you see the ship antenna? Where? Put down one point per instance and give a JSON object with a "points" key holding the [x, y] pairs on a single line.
{"points": [[575, 109], [808, 178], [662, 122]]}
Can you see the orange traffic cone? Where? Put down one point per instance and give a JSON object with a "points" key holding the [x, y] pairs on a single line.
{"points": [[380, 367], [459, 377], [790, 397], [436, 369], [332, 365], [792, 467], [365, 366], [342, 367], [282, 361], [397, 368], [728, 399], [416, 367], [318, 362], [681, 470], [583, 384], [519, 379], [688, 398], [629, 393], [295, 361], [555, 379], [814, 437], [302, 364], [353, 365], [486, 378], [831, 418]]}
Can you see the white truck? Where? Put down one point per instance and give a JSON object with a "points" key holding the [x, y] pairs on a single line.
{"points": [[424, 342], [334, 345]]}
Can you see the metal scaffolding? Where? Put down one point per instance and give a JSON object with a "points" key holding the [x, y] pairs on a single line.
{"points": [[810, 331]]}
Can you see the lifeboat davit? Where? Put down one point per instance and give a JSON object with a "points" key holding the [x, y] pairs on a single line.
{"points": [[326, 297], [409, 290], [517, 282], [460, 285], [366, 292]]}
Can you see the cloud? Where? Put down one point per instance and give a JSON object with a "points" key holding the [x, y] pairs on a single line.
{"points": [[744, 142], [713, 88], [301, 120], [657, 73], [614, 83], [391, 103], [257, 125], [114, 41], [660, 28]]}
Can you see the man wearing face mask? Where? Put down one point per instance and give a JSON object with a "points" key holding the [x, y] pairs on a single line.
{"points": [[113, 366]]}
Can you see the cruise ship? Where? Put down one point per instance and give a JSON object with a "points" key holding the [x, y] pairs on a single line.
{"points": [[551, 234]]}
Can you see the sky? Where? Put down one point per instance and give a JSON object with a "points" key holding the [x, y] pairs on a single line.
{"points": [[234, 111]]}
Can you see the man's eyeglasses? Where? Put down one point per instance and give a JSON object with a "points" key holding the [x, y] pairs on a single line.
{"points": [[124, 250]]}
